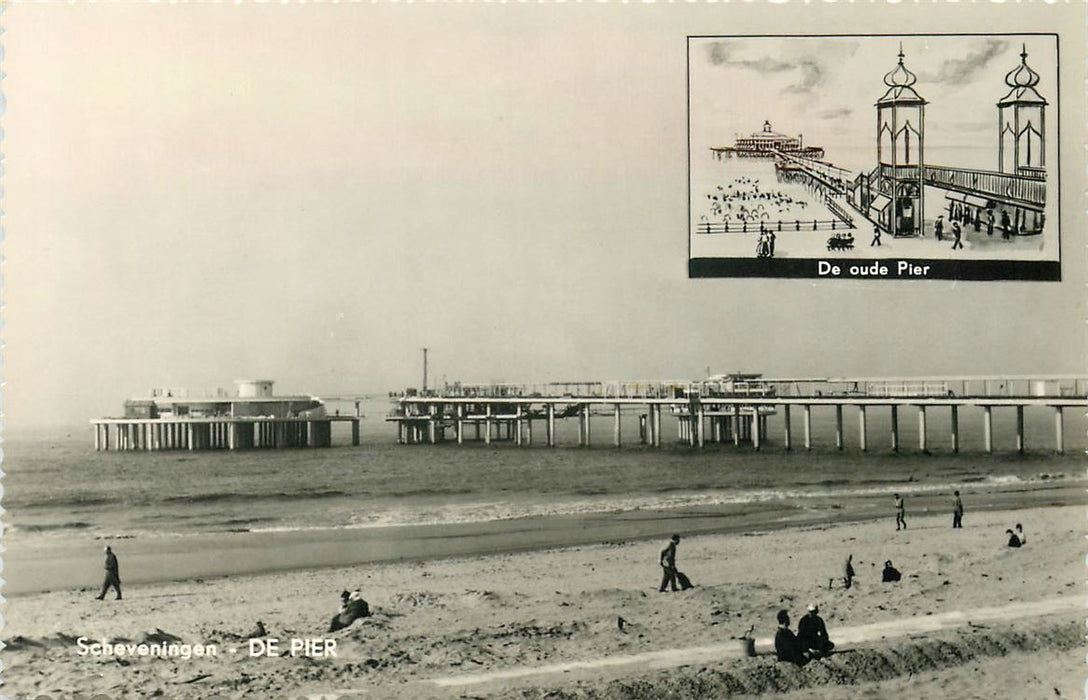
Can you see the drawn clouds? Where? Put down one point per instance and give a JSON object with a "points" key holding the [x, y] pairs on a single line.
{"points": [[810, 62], [960, 71]]}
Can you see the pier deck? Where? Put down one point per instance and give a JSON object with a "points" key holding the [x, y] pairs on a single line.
{"points": [[731, 408]]}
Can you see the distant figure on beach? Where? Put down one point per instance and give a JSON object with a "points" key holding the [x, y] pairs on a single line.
{"points": [[113, 576], [668, 564], [786, 645], [812, 633], [1014, 541], [890, 573], [1006, 226], [989, 223], [848, 575], [957, 510], [938, 228], [876, 237], [1020, 534], [352, 608], [900, 513]]}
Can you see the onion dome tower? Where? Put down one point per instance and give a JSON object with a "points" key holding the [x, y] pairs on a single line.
{"points": [[1021, 121], [900, 150]]}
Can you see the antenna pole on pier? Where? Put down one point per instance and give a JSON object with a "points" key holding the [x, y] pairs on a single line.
{"points": [[424, 370]]}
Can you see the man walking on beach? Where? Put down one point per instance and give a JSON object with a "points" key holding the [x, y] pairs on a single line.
{"points": [[876, 237], [113, 577], [900, 513], [957, 511], [668, 563]]}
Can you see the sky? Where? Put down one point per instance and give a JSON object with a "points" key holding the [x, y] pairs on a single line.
{"points": [[312, 193], [826, 88]]}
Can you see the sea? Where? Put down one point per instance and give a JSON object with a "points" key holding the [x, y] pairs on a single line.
{"points": [[57, 486]]}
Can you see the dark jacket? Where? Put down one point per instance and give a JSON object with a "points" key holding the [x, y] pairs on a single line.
{"points": [[811, 632], [786, 646]]}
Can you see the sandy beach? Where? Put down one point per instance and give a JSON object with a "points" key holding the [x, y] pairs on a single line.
{"points": [[477, 626]]}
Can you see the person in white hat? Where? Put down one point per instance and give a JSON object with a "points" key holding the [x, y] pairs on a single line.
{"points": [[812, 633]]}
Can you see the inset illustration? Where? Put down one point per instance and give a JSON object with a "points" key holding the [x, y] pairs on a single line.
{"points": [[903, 157]]}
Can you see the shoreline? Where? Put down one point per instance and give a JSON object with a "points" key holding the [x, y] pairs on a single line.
{"points": [[36, 562]]}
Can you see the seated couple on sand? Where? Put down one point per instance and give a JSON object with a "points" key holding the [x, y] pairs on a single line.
{"points": [[352, 608], [810, 642]]}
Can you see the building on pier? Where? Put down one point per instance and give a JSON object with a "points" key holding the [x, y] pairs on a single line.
{"points": [[768, 144], [251, 416]]}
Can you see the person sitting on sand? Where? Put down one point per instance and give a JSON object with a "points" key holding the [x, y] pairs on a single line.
{"points": [[786, 646], [890, 573], [352, 608], [668, 564], [1020, 534], [812, 633], [848, 577], [1014, 541]]}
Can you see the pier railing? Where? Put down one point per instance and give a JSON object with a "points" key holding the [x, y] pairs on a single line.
{"points": [[1032, 386]]}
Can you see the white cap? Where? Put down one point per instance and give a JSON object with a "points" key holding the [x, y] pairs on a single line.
{"points": [[812, 607]]}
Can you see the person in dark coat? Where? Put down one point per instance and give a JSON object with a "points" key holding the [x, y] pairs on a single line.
{"points": [[812, 633], [786, 646], [956, 234], [848, 576], [1014, 541], [668, 564], [890, 573], [113, 576], [352, 608], [938, 228], [989, 223], [957, 511]]}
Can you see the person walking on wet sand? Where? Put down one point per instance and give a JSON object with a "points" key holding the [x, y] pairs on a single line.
{"points": [[876, 237], [848, 576], [113, 576], [957, 511], [668, 564], [956, 235], [900, 513]]}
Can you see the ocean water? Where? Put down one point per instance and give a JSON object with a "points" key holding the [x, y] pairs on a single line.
{"points": [[57, 486]]}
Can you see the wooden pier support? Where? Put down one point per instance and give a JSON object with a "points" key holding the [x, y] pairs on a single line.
{"points": [[487, 432], [756, 425], [955, 428], [895, 428], [1059, 440], [788, 441], [863, 438], [808, 426], [922, 428], [616, 427], [1020, 429], [987, 429], [838, 426], [551, 425]]}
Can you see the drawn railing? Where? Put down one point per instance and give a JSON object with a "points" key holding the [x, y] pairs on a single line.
{"points": [[837, 209], [708, 227]]}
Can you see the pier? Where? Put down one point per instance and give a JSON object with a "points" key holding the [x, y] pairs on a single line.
{"points": [[734, 409], [250, 417], [217, 433]]}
